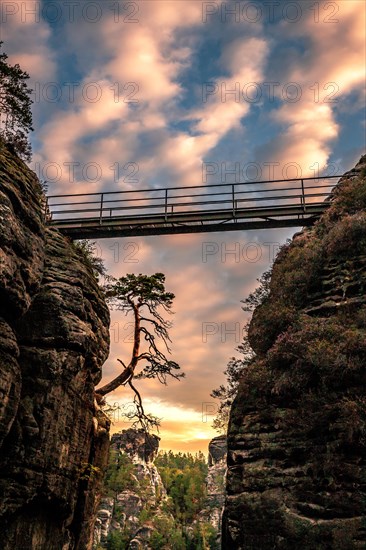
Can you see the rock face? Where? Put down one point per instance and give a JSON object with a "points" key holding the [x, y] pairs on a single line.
{"points": [[217, 454], [296, 441], [145, 491], [103, 524], [212, 513], [217, 450], [141, 447], [54, 339]]}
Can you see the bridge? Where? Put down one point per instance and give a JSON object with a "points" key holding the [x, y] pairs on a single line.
{"points": [[194, 209]]}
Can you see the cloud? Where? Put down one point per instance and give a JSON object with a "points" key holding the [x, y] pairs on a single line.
{"points": [[328, 71], [136, 72], [146, 63], [181, 154], [191, 433], [26, 40]]}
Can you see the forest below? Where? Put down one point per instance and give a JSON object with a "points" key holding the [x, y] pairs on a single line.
{"points": [[177, 516]]}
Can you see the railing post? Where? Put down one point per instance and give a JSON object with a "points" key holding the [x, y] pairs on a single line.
{"points": [[233, 198], [166, 204], [47, 211], [303, 195], [101, 209]]}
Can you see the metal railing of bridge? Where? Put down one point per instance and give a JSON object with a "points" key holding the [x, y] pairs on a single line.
{"points": [[191, 209], [165, 202]]}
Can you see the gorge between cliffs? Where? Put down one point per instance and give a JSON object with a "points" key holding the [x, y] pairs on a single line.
{"points": [[297, 432]]}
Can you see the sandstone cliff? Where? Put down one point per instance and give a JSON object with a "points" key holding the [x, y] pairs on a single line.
{"points": [[140, 490], [212, 511], [297, 434], [54, 339]]}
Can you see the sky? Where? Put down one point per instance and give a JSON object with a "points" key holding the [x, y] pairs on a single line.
{"points": [[155, 93]]}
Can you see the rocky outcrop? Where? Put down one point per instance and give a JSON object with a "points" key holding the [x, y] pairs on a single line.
{"points": [[296, 440], [143, 491], [213, 508], [103, 523], [140, 446], [217, 450], [54, 339]]}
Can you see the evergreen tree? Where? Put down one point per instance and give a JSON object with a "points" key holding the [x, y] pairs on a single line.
{"points": [[143, 296], [184, 477], [15, 107]]}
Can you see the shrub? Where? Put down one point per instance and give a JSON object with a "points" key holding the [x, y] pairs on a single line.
{"points": [[347, 238], [86, 250]]}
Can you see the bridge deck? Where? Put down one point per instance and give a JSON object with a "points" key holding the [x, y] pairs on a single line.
{"points": [[221, 207]]}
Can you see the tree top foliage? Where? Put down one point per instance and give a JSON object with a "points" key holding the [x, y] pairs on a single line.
{"points": [[15, 107], [141, 290]]}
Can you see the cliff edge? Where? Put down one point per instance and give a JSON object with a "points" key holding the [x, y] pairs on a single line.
{"points": [[54, 339], [297, 433]]}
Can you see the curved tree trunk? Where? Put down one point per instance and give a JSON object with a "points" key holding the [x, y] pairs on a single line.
{"points": [[127, 374]]}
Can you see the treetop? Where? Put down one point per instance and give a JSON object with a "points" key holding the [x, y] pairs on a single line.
{"points": [[145, 289]]}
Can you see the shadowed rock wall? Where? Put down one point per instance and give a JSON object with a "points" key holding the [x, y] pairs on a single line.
{"points": [[297, 434], [54, 339]]}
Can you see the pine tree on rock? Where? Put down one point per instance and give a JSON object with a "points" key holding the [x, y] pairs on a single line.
{"points": [[143, 296]]}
